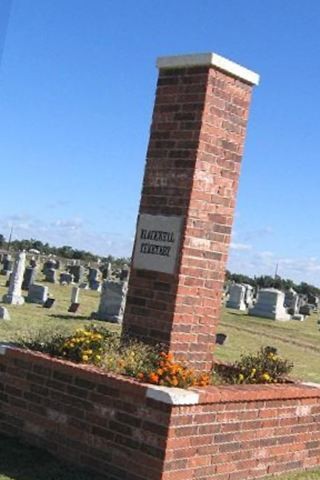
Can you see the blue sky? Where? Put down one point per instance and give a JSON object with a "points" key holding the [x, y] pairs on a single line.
{"points": [[77, 82]]}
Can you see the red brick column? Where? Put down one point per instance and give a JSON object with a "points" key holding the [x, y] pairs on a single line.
{"points": [[189, 190]]}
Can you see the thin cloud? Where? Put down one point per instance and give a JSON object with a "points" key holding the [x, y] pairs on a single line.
{"points": [[240, 246]]}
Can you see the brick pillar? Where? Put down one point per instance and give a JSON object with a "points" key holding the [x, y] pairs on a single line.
{"points": [[187, 204]]}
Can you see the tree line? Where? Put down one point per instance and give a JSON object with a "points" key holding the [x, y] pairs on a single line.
{"points": [[66, 251]]}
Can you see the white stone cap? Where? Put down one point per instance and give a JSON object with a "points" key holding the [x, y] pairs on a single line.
{"points": [[172, 396], [4, 347], [209, 59], [311, 384]]}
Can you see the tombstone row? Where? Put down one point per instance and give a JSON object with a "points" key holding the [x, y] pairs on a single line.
{"points": [[270, 302]]}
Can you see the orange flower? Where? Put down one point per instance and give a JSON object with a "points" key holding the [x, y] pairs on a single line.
{"points": [[154, 378]]}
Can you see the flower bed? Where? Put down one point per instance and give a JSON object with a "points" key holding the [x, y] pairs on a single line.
{"points": [[150, 364]]}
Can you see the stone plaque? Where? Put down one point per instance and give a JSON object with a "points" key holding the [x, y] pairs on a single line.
{"points": [[157, 243]]}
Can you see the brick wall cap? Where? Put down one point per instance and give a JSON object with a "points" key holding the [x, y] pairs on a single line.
{"points": [[210, 60], [311, 384], [240, 393], [172, 396]]}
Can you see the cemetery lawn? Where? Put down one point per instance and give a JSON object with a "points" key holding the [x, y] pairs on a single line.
{"points": [[297, 341], [30, 317]]}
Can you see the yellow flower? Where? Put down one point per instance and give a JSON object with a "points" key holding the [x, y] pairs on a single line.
{"points": [[266, 377], [85, 358], [241, 377], [98, 357]]}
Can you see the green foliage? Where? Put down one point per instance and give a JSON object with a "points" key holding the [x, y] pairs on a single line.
{"points": [[130, 358], [95, 345], [263, 367], [86, 345]]}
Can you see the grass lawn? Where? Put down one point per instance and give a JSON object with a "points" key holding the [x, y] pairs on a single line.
{"points": [[297, 341], [31, 317]]}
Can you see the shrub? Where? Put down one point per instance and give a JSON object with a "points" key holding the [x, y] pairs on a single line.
{"points": [[266, 366], [88, 345], [130, 358]]}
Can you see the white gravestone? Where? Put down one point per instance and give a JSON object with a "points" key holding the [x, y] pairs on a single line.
{"points": [[157, 243], [270, 304], [37, 293], [75, 295], [249, 295], [237, 297], [4, 314], [14, 292], [112, 301]]}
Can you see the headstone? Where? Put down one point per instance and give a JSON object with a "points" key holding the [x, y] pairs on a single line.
{"points": [[306, 309], [4, 314], [249, 295], [49, 302], [37, 293], [94, 278], [124, 275], [75, 295], [8, 265], [313, 299], [221, 338], [14, 295], [73, 307], [33, 262], [112, 302], [270, 304], [77, 271], [290, 294], [66, 278], [48, 265], [237, 297], [293, 304], [96, 285], [109, 271], [50, 275], [29, 277]]}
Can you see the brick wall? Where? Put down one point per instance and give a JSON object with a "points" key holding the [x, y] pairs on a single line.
{"points": [[242, 433], [129, 431], [192, 169], [83, 416]]}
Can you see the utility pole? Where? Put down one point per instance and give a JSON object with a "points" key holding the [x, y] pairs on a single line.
{"points": [[10, 238]]}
